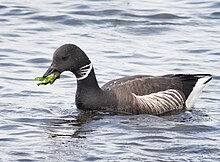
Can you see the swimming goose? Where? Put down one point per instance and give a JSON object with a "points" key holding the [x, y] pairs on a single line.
{"points": [[139, 94]]}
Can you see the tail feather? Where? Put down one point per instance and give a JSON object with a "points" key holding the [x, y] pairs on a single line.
{"points": [[193, 85], [197, 90]]}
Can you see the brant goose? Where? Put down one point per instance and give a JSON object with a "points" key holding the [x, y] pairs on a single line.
{"points": [[139, 94]]}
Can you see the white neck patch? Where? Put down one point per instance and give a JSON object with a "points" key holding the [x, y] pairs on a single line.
{"points": [[84, 71]]}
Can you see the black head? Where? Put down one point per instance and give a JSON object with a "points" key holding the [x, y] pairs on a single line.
{"points": [[68, 57]]}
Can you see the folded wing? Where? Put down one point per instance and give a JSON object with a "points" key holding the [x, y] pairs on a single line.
{"points": [[160, 102]]}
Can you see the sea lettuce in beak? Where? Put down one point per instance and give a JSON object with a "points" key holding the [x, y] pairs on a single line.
{"points": [[48, 80]]}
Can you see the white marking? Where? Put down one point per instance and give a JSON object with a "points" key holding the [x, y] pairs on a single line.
{"points": [[161, 102], [197, 90], [84, 71]]}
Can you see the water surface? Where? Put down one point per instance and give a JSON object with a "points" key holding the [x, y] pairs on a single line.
{"points": [[121, 38]]}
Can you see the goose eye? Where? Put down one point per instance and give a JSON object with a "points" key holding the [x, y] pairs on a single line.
{"points": [[64, 58]]}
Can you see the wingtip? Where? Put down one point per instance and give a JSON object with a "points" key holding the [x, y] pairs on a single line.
{"points": [[208, 80], [207, 77]]}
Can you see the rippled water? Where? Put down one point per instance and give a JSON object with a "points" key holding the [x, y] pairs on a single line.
{"points": [[122, 38]]}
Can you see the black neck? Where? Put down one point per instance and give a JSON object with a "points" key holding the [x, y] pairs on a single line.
{"points": [[89, 83]]}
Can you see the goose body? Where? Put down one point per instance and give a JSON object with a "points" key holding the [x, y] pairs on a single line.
{"points": [[139, 94]]}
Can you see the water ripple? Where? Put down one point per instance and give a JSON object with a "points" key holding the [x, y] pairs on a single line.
{"points": [[215, 15], [10, 64], [42, 123], [48, 18], [3, 7], [38, 60], [97, 13], [166, 16]]}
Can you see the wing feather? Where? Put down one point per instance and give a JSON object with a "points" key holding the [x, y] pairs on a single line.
{"points": [[160, 102]]}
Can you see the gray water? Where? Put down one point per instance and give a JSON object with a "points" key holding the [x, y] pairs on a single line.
{"points": [[121, 37]]}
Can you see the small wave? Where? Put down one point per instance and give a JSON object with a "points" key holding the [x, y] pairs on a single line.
{"points": [[2, 57], [10, 64], [148, 30], [215, 15], [73, 21], [49, 18], [117, 23], [99, 13], [78, 6], [10, 35], [157, 16], [2, 6], [215, 5], [166, 16], [18, 12], [30, 92], [199, 51], [38, 60], [9, 127], [3, 20], [102, 22], [6, 139], [217, 77], [9, 50]]}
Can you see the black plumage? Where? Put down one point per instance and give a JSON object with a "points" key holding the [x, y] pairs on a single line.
{"points": [[133, 94]]}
